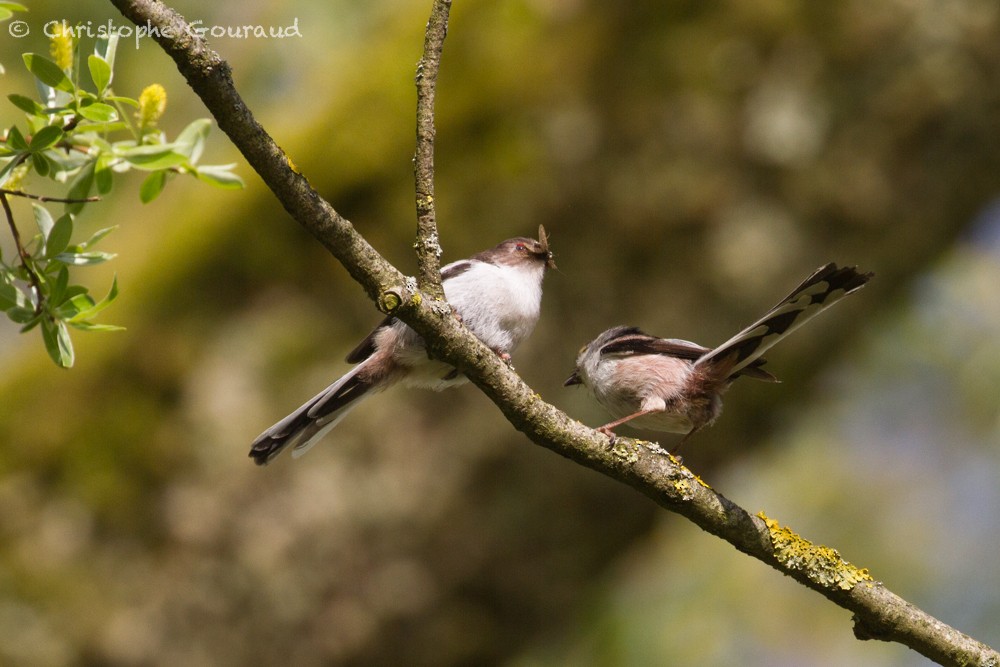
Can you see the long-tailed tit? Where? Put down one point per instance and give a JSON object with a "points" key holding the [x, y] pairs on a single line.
{"points": [[666, 384], [497, 294]]}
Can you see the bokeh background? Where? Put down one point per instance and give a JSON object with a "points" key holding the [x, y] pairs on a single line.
{"points": [[692, 161]]}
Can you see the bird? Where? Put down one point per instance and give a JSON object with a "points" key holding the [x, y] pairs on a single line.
{"points": [[496, 293], [676, 386]]}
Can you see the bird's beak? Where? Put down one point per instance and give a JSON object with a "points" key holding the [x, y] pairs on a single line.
{"points": [[543, 241], [573, 379]]}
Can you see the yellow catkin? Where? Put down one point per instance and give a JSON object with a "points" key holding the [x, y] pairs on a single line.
{"points": [[61, 46], [152, 103]]}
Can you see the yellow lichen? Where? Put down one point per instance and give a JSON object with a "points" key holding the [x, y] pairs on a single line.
{"points": [[822, 565], [683, 487], [702, 482], [390, 301]]}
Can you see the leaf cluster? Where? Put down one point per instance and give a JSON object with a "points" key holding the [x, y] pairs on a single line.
{"points": [[79, 134]]}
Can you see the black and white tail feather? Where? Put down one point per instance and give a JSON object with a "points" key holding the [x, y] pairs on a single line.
{"points": [[306, 426], [827, 285]]}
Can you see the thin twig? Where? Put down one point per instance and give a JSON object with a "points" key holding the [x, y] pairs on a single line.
{"points": [[36, 283], [46, 198], [428, 245]]}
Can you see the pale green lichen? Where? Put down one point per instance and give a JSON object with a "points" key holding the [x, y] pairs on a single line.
{"points": [[625, 452], [822, 565]]}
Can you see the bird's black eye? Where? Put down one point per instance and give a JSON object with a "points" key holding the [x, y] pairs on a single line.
{"points": [[520, 247]]}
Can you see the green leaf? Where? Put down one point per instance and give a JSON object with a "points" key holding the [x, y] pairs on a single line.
{"points": [[39, 164], [152, 186], [32, 324], [45, 138], [99, 306], [73, 306], [123, 100], [105, 48], [84, 258], [102, 174], [58, 239], [221, 176], [100, 72], [58, 291], [16, 140], [191, 140], [152, 158], [103, 128], [93, 326], [54, 162], [48, 72], [7, 10], [43, 219], [57, 342], [22, 314], [26, 104], [98, 235], [11, 297], [99, 112], [79, 188], [71, 292]]}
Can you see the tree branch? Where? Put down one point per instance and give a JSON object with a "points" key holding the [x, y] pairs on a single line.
{"points": [[22, 254], [45, 198], [878, 613], [428, 244]]}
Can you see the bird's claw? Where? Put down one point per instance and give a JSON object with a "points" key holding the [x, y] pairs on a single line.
{"points": [[506, 358], [612, 438]]}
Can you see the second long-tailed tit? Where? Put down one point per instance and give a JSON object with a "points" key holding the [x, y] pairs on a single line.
{"points": [[666, 384]]}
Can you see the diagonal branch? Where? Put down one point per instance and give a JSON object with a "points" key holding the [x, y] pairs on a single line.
{"points": [[878, 613], [428, 245]]}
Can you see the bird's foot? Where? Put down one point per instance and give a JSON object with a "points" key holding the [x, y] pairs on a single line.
{"points": [[612, 438], [505, 357]]}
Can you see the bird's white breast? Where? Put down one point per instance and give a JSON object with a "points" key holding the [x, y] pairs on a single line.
{"points": [[500, 304]]}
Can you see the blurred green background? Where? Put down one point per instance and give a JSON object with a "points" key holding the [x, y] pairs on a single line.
{"points": [[692, 161]]}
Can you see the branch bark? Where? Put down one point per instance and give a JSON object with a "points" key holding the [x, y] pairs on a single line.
{"points": [[428, 245], [878, 612]]}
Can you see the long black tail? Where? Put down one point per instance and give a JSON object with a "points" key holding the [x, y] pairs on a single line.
{"points": [[303, 428], [822, 289]]}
